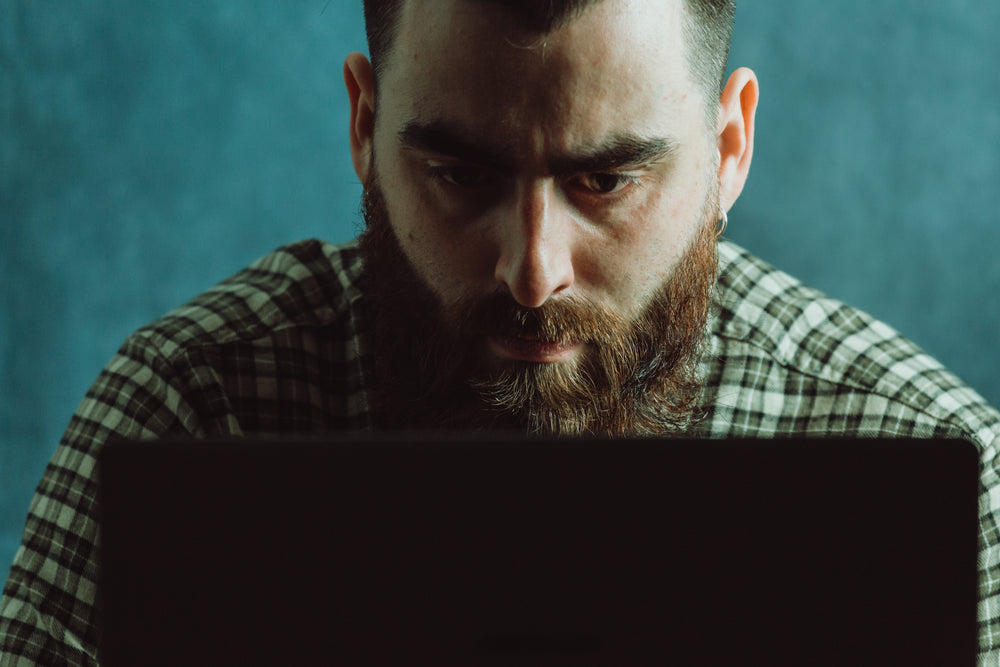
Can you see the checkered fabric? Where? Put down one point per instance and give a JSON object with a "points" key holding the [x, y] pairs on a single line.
{"points": [[280, 348]]}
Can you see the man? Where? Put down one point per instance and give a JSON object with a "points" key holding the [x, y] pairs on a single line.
{"points": [[545, 186]]}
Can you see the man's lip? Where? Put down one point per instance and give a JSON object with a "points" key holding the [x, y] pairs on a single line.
{"points": [[533, 349]]}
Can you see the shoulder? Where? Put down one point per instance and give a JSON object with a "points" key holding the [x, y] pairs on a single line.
{"points": [[277, 347], [309, 283], [800, 360]]}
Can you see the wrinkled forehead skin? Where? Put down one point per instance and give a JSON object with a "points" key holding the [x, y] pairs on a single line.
{"points": [[619, 66]]}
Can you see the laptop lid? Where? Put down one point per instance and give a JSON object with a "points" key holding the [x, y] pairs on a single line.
{"points": [[487, 550]]}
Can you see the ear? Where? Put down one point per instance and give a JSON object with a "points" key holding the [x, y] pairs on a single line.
{"points": [[737, 110], [361, 90]]}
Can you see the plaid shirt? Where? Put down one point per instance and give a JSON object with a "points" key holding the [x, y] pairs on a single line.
{"points": [[281, 348]]}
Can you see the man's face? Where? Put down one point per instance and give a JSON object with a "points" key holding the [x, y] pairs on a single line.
{"points": [[568, 168]]}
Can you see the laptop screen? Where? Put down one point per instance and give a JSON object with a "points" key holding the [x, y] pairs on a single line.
{"points": [[493, 550]]}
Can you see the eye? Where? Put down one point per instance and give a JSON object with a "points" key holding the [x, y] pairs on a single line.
{"points": [[462, 176], [607, 183]]}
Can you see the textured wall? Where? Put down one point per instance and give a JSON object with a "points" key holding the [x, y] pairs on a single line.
{"points": [[150, 149]]}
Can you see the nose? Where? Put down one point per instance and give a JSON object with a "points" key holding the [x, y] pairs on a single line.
{"points": [[535, 261]]}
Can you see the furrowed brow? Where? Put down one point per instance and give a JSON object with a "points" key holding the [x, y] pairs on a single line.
{"points": [[446, 139], [626, 150]]}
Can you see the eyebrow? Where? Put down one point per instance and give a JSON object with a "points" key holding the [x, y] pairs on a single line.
{"points": [[447, 139], [622, 150]]}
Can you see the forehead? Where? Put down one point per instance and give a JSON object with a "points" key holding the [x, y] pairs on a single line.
{"points": [[618, 67]]}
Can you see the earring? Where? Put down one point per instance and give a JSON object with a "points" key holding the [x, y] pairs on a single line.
{"points": [[722, 224]]}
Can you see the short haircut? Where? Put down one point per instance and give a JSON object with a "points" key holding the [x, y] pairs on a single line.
{"points": [[708, 32]]}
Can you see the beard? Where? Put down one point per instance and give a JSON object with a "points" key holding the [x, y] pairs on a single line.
{"points": [[633, 377]]}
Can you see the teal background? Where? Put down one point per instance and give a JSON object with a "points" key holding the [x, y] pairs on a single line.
{"points": [[150, 149]]}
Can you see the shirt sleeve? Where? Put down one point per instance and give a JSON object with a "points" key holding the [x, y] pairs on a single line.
{"points": [[48, 612]]}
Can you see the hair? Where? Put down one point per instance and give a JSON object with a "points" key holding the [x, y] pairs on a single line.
{"points": [[708, 31]]}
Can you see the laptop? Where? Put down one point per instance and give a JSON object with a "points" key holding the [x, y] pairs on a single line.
{"points": [[496, 550]]}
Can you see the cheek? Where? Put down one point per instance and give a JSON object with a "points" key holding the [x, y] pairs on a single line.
{"points": [[446, 256], [655, 234], [640, 255]]}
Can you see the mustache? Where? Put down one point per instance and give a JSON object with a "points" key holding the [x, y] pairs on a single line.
{"points": [[570, 319]]}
